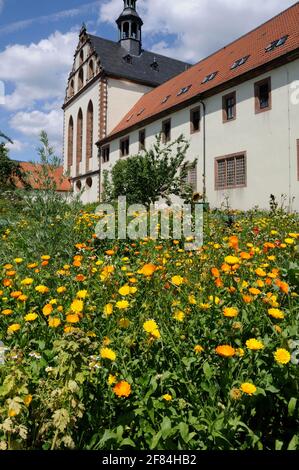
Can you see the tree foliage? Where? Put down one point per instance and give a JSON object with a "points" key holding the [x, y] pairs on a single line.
{"points": [[10, 171], [154, 174]]}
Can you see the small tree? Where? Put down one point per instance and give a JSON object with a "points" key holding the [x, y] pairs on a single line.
{"points": [[10, 171], [159, 172]]}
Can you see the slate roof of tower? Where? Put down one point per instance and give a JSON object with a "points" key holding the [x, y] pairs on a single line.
{"points": [[111, 55], [252, 44]]}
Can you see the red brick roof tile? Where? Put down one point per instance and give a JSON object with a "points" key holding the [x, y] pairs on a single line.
{"points": [[33, 170]]}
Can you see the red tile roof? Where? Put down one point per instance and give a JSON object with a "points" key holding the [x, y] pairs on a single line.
{"points": [[33, 172], [253, 44]]}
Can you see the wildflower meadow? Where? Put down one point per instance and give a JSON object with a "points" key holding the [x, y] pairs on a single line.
{"points": [[142, 344]]}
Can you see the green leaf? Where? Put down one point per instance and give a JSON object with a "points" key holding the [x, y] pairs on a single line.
{"points": [[155, 440], [292, 406], [165, 427], [278, 444], [127, 442], [184, 431], [207, 370], [293, 445]]}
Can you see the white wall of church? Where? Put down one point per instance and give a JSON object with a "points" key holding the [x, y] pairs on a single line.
{"points": [[269, 140]]}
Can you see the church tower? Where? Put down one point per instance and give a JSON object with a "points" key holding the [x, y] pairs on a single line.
{"points": [[129, 25]]}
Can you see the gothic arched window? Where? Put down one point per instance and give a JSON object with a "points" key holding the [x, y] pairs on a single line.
{"points": [[70, 143], [81, 79], [81, 57], [91, 69], [71, 89], [134, 31], [79, 140], [89, 134]]}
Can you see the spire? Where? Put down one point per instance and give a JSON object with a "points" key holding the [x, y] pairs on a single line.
{"points": [[129, 25]]}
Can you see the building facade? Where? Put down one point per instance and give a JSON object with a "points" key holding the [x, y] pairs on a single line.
{"points": [[239, 108], [106, 80]]}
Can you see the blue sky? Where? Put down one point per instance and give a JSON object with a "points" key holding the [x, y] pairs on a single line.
{"points": [[38, 39]]}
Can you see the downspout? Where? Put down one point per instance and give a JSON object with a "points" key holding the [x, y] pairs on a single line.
{"points": [[204, 153], [289, 139]]}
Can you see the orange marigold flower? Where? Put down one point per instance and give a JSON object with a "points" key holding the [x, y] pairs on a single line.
{"points": [[73, 318], [225, 350], [244, 255], [47, 310], [215, 272], [247, 299], [233, 242], [122, 389]]}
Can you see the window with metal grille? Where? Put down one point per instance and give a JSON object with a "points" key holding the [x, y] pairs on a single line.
{"points": [[192, 178], [209, 77], [125, 147], [276, 43], [240, 62], [106, 153], [230, 171]]}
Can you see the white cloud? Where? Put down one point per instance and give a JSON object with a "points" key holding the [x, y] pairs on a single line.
{"points": [[38, 71], [32, 123], [200, 26], [1, 5], [17, 146]]}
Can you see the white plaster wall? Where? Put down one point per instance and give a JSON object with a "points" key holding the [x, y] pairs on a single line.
{"points": [[122, 95], [268, 138]]}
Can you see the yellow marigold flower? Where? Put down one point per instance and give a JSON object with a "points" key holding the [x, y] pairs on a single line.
{"points": [[177, 280], [133, 290], [260, 283], [122, 389], [277, 329], [125, 290], [54, 322], [230, 312], [7, 311], [30, 317], [8, 266], [22, 298], [248, 388], [111, 379], [235, 394], [150, 326], [240, 352], [282, 356], [68, 329], [276, 313], [18, 260], [32, 265], [192, 300], [13, 328], [108, 310], [73, 318], [42, 289], [27, 281], [289, 241], [232, 260], [167, 397], [77, 306], [214, 299], [122, 304], [179, 315], [61, 290], [205, 306], [45, 257], [27, 400], [198, 349], [47, 310], [156, 334], [107, 353], [254, 344], [124, 322], [260, 272], [254, 291], [225, 350], [82, 294]]}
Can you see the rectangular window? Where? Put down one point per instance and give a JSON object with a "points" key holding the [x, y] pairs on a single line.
{"points": [[142, 139], [262, 94], [230, 171], [106, 154], [166, 131], [192, 178], [125, 147], [229, 107], [195, 120]]}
